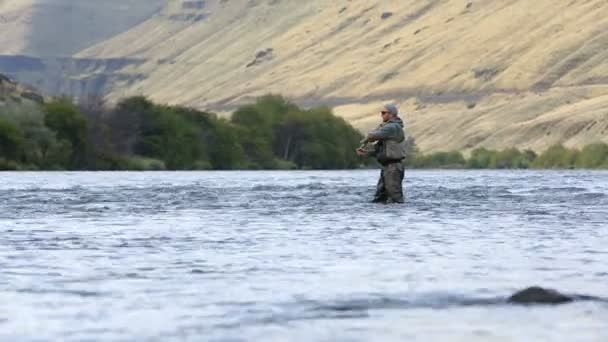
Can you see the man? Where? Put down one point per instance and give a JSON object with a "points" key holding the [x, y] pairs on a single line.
{"points": [[389, 150]]}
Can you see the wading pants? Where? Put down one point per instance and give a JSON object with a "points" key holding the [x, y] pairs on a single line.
{"points": [[390, 184]]}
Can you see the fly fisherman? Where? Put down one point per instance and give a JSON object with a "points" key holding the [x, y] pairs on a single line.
{"points": [[386, 143]]}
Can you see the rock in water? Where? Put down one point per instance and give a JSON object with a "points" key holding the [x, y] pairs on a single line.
{"points": [[539, 295]]}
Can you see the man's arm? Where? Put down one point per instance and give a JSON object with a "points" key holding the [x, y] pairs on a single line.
{"points": [[367, 150], [381, 133]]}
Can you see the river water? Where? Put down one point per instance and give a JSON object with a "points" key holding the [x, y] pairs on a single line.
{"points": [[300, 256]]}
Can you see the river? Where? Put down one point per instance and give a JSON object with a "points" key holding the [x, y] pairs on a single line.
{"points": [[300, 256]]}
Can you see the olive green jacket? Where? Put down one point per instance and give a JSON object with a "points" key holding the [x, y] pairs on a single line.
{"points": [[390, 145]]}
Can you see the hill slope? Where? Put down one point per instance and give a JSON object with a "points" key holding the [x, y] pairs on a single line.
{"points": [[466, 73], [60, 28], [13, 93]]}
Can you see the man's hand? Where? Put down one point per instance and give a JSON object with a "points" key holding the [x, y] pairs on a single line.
{"points": [[361, 152]]}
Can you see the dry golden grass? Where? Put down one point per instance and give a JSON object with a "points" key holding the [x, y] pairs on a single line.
{"points": [[466, 73]]}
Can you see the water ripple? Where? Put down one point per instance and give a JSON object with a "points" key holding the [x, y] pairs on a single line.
{"points": [[238, 256]]}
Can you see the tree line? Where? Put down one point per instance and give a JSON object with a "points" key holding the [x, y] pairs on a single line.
{"points": [[593, 156], [271, 133], [138, 134]]}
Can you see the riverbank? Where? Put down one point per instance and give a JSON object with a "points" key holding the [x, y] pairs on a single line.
{"points": [[269, 134]]}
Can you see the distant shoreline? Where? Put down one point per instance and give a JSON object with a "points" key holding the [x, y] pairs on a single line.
{"points": [[269, 134]]}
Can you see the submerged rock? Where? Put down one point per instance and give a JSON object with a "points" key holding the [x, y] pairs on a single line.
{"points": [[539, 295]]}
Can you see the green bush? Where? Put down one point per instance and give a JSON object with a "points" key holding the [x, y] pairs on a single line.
{"points": [[11, 141], [480, 159], [273, 130], [144, 164], [70, 127], [40, 146], [556, 157], [593, 156], [511, 158], [9, 165], [450, 160]]}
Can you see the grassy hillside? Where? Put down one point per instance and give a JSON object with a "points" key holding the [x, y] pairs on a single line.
{"points": [[465, 73], [64, 27]]}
